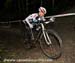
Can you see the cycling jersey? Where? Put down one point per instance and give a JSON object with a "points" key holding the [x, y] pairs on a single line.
{"points": [[33, 18]]}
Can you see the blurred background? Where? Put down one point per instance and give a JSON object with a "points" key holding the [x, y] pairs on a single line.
{"points": [[19, 9]]}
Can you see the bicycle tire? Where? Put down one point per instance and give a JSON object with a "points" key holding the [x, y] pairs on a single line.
{"points": [[59, 44]]}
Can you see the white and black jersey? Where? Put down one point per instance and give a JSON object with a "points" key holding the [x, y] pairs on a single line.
{"points": [[34, 18]]}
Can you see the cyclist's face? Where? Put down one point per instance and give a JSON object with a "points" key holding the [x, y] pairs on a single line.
{"points": [[41, 14]]}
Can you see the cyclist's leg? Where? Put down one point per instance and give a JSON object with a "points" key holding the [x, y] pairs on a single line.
{"points": [[29, 38], [27, 32]]}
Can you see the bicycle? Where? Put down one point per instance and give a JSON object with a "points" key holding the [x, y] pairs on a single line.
{"points": [[49, 40]]}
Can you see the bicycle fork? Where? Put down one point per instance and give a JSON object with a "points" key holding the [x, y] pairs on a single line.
{"points": [[46, 36]]}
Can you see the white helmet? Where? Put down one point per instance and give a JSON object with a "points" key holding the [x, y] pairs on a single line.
{"points": [[42, 9]]}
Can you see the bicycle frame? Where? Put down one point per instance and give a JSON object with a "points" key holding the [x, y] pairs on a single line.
{"points": [[45, 34]]}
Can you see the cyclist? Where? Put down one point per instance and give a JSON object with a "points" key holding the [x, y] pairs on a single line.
{"points": [[31, 20], [35, 17]]}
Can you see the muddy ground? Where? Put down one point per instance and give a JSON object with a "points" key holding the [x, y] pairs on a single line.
{"points": [[12, 42]]}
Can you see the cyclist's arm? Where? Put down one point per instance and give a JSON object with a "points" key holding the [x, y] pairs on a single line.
{"points": [[41, 19], [28, 21]]}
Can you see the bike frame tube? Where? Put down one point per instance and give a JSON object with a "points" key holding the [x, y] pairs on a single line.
{"points": [[47, 39]]}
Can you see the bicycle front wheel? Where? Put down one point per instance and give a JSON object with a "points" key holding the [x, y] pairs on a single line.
{"points": [[54, 49]]}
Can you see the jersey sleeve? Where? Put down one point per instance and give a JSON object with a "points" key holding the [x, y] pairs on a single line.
{"points": [[28, 18], [32, 16], [41, 19]]}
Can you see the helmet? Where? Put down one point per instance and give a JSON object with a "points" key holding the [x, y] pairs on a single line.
{"points": [[42, 9]]}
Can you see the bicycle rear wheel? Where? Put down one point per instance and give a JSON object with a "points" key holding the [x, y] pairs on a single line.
{"points": [[54, 49]]}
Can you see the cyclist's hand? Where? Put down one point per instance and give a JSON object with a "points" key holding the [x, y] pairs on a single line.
{"points": [[31, 26], [52, 19]]}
